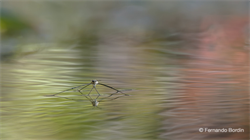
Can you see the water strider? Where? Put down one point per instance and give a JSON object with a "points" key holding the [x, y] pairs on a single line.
{"points": [[94, 102], [94, 83]]}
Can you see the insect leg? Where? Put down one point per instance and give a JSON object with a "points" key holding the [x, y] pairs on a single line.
{"points": [[114, 89], [90, 91], [85, 86], [97, 91], [69, 89]]}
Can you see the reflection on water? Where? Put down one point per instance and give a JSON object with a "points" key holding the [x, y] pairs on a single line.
{"points": [[168, 100], [180, 82]]}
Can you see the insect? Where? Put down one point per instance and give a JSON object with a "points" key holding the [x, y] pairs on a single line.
{"points": [[94, 83], [94, 102]]}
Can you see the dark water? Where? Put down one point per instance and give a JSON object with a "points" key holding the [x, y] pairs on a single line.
{"points": [[172, 97]]}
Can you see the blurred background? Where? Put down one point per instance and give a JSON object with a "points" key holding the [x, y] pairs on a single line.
{"points": [[187, 63]]}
